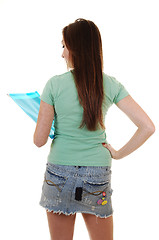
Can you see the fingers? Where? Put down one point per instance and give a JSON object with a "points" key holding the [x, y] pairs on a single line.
{"points": [[105, 144]]}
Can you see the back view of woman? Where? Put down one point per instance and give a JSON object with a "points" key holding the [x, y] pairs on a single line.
{"points": [[78, 169]]}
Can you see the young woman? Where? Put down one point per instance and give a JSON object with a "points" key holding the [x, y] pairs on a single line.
{"points": [[78, 170]]}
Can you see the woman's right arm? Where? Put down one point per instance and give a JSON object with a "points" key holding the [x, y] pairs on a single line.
{"points": [[145, 126]]}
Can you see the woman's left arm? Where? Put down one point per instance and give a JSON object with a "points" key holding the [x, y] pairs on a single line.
{"points": [[44, 123]]}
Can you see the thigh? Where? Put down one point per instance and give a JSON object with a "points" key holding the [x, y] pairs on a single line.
{"points": [[99, 228], [61, 226]]}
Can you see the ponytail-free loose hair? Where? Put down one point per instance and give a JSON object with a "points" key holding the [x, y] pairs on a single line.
{"points": [[83, 41]]}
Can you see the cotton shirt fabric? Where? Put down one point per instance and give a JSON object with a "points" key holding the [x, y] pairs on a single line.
{"points": [[73, 145]]}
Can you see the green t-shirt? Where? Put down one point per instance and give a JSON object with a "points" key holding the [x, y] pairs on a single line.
{"points": [[73, 145]]}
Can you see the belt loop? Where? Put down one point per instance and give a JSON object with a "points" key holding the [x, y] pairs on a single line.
{"points": [[77, 167]]}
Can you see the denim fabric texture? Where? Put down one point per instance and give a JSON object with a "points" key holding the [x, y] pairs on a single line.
{"points": [[70, 189]]}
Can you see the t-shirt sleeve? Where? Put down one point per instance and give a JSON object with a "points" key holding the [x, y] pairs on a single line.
{"points": [[119, 91], [47, 94]]}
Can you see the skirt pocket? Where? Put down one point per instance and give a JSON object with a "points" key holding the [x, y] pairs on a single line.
{"points": [[96, 193], [53, 185], [54, 179]]}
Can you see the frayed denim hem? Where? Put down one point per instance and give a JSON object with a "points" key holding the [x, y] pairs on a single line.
{"points": [[73, 213]]}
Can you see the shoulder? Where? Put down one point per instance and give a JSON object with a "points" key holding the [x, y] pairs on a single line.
{"points": [[59, 77], [110, 79], [110, 82]]}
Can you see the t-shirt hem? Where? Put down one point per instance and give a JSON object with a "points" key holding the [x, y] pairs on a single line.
{"points": [[46, 100], [107, 163], [121, 97]]}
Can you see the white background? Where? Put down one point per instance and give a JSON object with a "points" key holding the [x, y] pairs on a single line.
{"points": [[30, 53]]}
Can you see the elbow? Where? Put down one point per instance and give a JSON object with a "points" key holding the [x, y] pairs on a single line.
{"points": [[37, 142], [150, 129]]}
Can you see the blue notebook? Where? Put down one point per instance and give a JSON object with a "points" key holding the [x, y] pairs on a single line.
{"points": [[30, 103]]}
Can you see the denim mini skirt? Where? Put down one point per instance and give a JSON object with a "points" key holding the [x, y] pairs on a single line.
{"points": [[70, 189]]}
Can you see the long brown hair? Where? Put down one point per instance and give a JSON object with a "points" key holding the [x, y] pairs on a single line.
{"points": [[83, 40]]}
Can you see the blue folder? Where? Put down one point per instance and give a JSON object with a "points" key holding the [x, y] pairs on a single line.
{"points": [[30, 103]]}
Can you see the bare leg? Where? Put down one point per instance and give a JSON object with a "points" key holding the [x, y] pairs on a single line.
{"points": [[61, 226], [99, 228]]}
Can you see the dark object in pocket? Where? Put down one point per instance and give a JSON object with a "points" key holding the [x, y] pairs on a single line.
{"points": [[78, 193]]}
